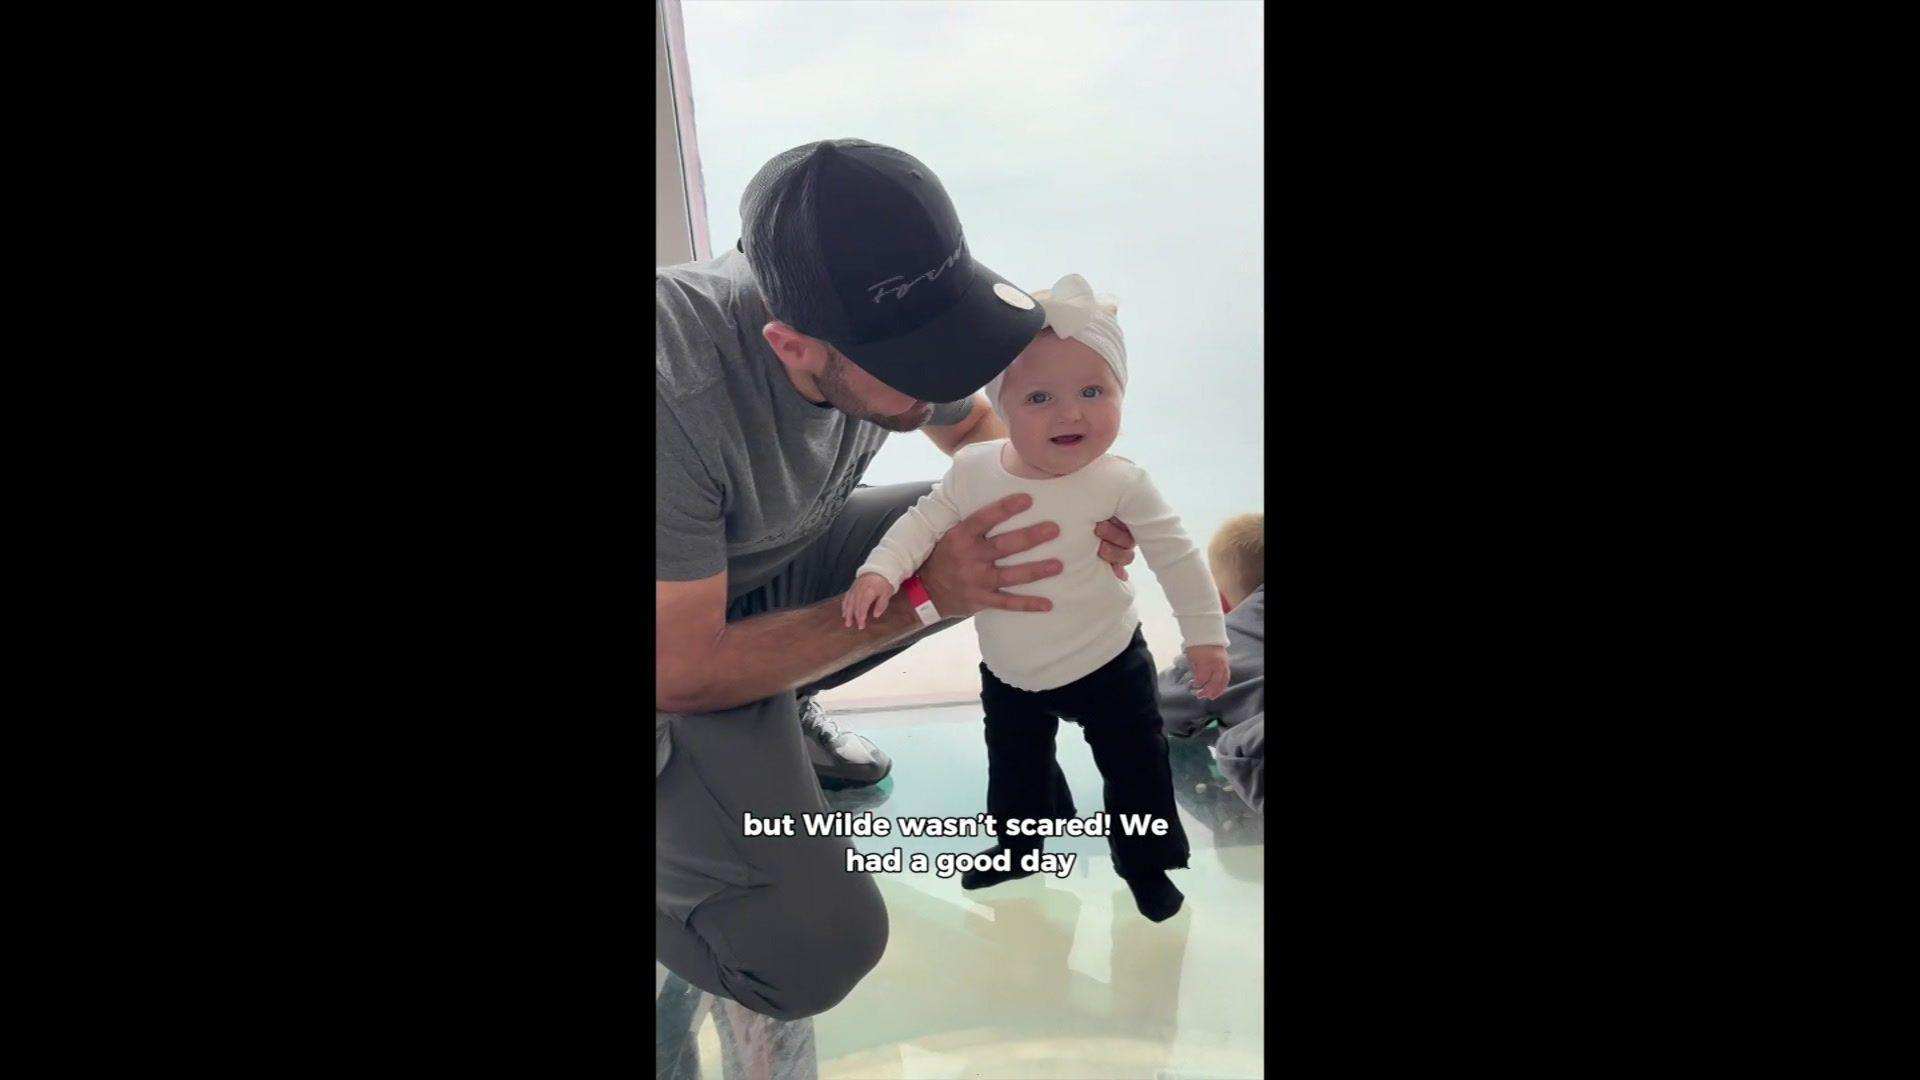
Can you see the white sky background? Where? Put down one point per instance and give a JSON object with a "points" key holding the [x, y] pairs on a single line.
{"points": [[1117, 139]]}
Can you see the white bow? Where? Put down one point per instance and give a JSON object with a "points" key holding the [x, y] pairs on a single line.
{"points": [[1071, 307], [1073, 312]]}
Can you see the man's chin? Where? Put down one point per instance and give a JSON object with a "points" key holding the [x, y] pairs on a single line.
{"points": [[911, 420]]}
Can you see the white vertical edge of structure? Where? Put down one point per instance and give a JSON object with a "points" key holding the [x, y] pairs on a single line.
{"points": [[680, 80], [672, 231]]}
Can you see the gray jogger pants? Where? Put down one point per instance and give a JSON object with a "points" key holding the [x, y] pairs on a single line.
{"points": [[774, 923]]}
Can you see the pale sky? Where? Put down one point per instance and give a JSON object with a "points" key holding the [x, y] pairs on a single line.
{"points": [[1117, 139]]}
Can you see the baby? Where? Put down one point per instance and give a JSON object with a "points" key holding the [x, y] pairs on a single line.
{"points": [[1084, 660]]}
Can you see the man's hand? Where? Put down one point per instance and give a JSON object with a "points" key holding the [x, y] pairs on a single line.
{"points": [[1210, 671], [1116, 545], [960, 577]]}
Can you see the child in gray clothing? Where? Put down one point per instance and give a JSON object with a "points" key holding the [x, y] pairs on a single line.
{"points": [[1237, 558]]}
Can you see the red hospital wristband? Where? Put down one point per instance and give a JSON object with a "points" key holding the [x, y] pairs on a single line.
{"points": [[922, 603]]}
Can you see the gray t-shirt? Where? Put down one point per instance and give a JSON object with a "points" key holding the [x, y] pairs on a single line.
{"points": [[749, 472]]}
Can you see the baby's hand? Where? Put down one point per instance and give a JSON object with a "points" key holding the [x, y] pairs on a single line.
{"points": [[869, 594], [1209, 663]]}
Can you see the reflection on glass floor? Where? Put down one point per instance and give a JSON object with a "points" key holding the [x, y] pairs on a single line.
{"points": [[1038, 978]]}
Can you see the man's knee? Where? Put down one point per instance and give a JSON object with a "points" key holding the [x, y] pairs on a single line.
{"points": [[890, 500], [850, 925], [812, 992], [807, 953]]}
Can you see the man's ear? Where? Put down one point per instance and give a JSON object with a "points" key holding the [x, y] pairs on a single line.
{"points": [[797, 351]]}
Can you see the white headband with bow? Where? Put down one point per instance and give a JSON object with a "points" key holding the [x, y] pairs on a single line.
{"points": [[1074, 312]]}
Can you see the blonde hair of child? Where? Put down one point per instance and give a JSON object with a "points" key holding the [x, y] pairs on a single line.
{"points": [[1238, 556]]}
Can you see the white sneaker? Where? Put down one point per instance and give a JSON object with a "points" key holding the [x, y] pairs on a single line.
{"points": [[841, 759]]}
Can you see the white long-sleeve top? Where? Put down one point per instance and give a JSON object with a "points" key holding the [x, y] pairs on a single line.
{"points": [[1093, 616]]}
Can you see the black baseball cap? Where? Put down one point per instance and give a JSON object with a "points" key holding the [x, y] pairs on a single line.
{"points": [[857, 244]]}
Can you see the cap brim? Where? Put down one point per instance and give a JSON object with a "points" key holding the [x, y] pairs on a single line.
{"points": [[960, 351]]}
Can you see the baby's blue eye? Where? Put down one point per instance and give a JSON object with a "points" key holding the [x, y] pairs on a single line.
{"points": [[1090, 392], [1038, 397]]}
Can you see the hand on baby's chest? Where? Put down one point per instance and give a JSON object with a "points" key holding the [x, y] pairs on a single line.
{"points": [[1075, 504], [1076, 544]]}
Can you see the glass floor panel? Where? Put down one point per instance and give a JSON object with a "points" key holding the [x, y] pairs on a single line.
{"points": [[1043, 977]]}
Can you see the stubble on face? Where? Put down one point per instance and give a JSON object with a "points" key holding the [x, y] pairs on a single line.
{"points": [[833, 386]]}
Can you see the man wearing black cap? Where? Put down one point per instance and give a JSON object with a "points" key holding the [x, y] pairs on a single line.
{"points": [[851, 308]]}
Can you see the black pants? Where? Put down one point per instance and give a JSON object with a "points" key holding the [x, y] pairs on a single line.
{"points": [[1118, 710]]}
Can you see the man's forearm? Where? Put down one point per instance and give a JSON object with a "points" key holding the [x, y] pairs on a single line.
{"points": [[988, 428], [783, 650], [979, 425]]}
